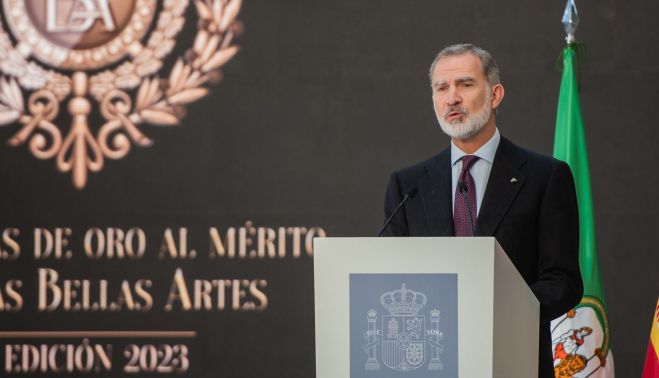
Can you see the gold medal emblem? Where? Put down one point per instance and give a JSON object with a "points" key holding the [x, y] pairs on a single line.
{"points": [[56, 37]]}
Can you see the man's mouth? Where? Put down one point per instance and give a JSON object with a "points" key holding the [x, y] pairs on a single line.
{"points": [[454, 115]]}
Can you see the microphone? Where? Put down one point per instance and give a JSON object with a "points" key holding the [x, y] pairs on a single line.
{"points": [[408, 196], [462, 188]]}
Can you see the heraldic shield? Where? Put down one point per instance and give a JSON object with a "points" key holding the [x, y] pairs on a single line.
{"points": [[403, 333], [400, 335], [403, 342]]}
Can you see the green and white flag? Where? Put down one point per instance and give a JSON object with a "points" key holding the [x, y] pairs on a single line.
{"points": [[581, 338]]}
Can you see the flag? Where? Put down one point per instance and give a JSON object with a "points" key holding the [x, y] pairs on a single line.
{"points": [[581, 338], [651, 367]]}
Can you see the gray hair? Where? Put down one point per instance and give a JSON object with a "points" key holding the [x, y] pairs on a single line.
{"points": [[490, 68]]}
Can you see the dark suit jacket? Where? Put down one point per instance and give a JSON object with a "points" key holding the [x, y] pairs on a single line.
{"points": [[534, 218]]}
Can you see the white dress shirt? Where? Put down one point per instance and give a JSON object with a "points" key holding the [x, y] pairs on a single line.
{"points": [[480, 171]]}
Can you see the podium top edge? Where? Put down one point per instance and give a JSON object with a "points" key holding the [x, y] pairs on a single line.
{"points": [[374, 240]]}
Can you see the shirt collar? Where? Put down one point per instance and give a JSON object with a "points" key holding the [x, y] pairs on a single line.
{"points": [[486, 152]]}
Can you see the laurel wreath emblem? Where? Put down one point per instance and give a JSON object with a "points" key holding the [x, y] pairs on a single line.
{"points": [[128, 96]]}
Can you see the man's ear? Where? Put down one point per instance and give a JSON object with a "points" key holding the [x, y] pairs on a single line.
{"points": [[497, 95]]}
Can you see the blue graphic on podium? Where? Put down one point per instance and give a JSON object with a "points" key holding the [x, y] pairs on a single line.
{"points": [[403, 325]]}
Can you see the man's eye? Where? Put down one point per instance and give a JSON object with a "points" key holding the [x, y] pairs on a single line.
{"points": [[441, 89]]}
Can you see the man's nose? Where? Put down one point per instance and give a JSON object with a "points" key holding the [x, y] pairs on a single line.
{"points": [[453, 97]]}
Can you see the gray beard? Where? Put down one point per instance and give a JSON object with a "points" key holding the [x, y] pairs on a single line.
{"points": [[470, 126]]}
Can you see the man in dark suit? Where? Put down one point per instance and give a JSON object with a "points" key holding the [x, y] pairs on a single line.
{"points": [[484, 185]]}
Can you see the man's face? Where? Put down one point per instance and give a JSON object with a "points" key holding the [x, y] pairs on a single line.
{"points": [[461, 95]]}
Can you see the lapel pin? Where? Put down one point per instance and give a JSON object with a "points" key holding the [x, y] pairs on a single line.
{"points": [[513, 180]]}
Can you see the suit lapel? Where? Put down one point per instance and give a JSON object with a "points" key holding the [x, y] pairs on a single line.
{"points": [[504, 183], [435, 189]]}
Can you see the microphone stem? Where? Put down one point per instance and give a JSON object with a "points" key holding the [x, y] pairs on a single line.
{"points": [[386, 223]]}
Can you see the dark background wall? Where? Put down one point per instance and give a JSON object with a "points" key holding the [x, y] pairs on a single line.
{"points": [[323, 101]]}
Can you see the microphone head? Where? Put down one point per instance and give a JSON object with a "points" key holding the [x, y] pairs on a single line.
{"points": [[412, 192], [462, 187]]}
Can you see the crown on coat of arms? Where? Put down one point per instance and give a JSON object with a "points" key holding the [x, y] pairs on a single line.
{"points": [[403, 301]]}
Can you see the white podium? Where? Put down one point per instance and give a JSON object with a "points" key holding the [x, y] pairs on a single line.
{"points": [[422, 307]]}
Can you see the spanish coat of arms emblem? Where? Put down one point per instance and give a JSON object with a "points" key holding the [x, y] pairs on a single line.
{"points": [[404, 333]]}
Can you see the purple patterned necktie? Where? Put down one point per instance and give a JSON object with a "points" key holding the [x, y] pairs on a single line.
{"points": [[465, 199]]}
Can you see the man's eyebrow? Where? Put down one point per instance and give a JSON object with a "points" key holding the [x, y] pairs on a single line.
{"points": [[466, 79], [460, 80]]}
